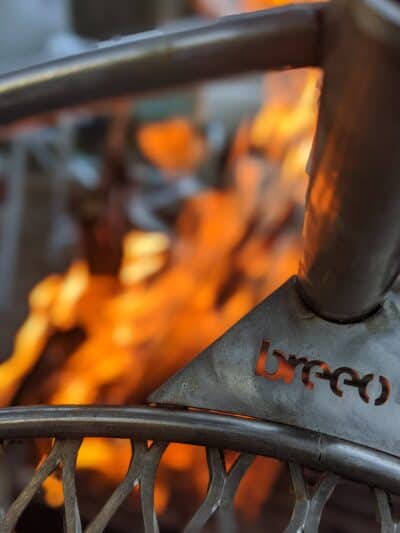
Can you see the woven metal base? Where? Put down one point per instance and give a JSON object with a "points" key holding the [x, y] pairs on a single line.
{"points": [[216, 433]]}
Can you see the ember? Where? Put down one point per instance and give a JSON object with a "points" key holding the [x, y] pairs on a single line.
{"points": [[175, 294]]}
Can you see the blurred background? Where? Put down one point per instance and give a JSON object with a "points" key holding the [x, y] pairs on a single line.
{"points": [[134, 232]]}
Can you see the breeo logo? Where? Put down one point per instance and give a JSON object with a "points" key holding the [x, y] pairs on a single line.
{"points": [[311, 369]]}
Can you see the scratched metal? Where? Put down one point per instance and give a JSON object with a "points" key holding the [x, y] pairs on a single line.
{"points": [[345, 379]]}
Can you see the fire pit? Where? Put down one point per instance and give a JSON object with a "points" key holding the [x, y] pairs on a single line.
{"points": [[309, 411]]}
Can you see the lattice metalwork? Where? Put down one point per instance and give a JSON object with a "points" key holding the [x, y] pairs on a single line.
{"points": [[215, 433]]}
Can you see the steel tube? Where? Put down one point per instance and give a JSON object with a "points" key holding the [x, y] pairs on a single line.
{"points": [[352, 229], [274, 39], [206, 429]]}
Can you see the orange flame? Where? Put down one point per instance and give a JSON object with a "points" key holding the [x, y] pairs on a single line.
{"points": [[227, 7], [254, 5], [173, 145]]}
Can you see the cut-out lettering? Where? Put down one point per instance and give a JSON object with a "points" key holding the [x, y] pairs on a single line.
{"points": [[313, 369]]}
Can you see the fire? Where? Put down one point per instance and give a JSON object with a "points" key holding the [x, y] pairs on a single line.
{"points": [[173, 145], [227, 7], [254, 5], [52, 303], [282, 130], [176, 294]]}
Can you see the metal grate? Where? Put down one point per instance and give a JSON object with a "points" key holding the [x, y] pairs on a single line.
{"points": [[215, 433]]}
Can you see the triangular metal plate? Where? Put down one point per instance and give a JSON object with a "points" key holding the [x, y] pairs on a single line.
{"points": [[283, 363]]}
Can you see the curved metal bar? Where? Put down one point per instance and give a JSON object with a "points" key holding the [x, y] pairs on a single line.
{"points": [[215, 493], [273, 39], [226, 513], [71, 509], [352, 231], [283, 442], [147, 485]]}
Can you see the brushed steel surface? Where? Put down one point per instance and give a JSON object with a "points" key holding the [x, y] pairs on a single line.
{"points": [[327, 354]]}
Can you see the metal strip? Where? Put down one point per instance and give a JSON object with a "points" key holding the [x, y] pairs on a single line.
{"points": [[147, 482], [123, 490], [212, 501], [226, 519], [72, 515], [20, 504], [283, 442], [388, 524]]}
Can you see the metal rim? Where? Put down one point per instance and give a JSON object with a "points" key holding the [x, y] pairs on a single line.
{"points": [[223, 431]]}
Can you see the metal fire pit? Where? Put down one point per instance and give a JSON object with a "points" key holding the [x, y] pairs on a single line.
{"points": [[310, 376]]}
